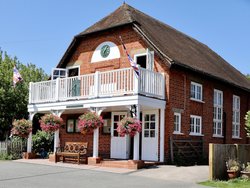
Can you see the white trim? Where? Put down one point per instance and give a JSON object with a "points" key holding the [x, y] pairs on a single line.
{"points": [[218, 107], [195, 91], [196, 100], [162, 134], [136, 153], [178, 133], [193, 134], [179, 123], [114, 52], [73, 67], [195, 125], [218, 136], [100, 102], [235, 110]]}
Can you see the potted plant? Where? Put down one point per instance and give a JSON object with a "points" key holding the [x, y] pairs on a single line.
{"points": [[50, 123], [245, 173], [89, 121], [129, 126], [21, 128], [233, 168]]}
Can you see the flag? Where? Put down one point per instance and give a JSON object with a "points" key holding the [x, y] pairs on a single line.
{"points": [[16, 76], [132, 63]]}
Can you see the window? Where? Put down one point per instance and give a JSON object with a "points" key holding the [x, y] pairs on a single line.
{"points": [[72, 126], [195, 123], [236, 117], [196, 91], [217, 113], [177, 123]]}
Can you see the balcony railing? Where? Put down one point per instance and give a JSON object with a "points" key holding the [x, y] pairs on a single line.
{"points": [[100, 84]]}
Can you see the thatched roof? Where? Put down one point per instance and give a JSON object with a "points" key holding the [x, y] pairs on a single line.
{"points": [[176, 47]]}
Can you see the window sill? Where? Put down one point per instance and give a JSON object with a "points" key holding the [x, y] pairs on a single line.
{"points": [[178, 133], [217, 136], [197, 100], [238, 138], [193, 134]]}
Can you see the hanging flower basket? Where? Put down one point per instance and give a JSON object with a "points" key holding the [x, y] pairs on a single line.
{"points": [[50, 123], [89, 121], [129, 126], [21, 128]]}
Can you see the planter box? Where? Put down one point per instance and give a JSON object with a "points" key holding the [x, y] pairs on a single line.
{"points": [[27, 155], [233, 174], [245, 175]]}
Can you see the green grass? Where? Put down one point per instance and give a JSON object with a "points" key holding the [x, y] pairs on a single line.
{"points": [[235, 183]]}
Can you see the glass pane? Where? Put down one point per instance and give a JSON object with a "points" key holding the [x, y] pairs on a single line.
{"points": [[115, 133], [146, 133], [198, 121], [192, 91], [115, 126], [152, 125], [62, 73], [116, 118], [215, 97], [146, 117], [215, 113], [214, 128], [146, 126], [152, 133], [152, 117]]}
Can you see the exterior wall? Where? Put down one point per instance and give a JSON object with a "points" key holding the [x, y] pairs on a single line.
{"points": [[177, 92], [82, 56], [179, 101]]}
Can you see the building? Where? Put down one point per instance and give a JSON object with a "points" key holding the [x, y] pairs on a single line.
{"points": [[185, 91]]}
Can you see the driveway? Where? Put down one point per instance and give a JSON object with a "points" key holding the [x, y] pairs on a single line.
{"points": [[20, 174]]}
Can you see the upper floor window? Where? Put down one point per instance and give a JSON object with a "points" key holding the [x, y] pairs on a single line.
{"points": [[177, 123], [195, 125], [196, 91], [217, 113], [236, 117], [145, 60]]}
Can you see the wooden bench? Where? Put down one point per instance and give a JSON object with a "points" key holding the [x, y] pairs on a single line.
{"points": [[75, 151]]}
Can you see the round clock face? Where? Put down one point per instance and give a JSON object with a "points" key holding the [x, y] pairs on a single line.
{"points": [[105, 50]]}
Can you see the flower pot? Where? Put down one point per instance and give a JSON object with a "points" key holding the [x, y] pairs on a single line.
{"points": [[245, 175], [232, 174]]}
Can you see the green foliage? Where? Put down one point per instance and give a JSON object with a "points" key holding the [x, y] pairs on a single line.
{"points": [[233, 183], [233, 164], [5, 156], [14, 101], [43, 140], [247, 123], [248, 76]]}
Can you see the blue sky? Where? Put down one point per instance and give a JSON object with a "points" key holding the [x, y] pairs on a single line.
{"points": [[40, 31]]}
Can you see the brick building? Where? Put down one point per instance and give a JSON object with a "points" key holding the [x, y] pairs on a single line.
{"points": [[185, 91]]}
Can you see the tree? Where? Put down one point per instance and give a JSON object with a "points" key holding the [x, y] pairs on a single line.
{"points": [[14, 100], [247, 123], [248, 76]]}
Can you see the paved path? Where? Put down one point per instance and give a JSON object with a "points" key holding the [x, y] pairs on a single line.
{"points": [[20, 174]]}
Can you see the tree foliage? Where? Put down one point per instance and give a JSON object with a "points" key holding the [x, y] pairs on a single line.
{"points": [[14, 100], [247, 123], [248, 76]]}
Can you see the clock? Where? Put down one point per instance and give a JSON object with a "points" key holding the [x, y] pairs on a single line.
{"points": [[105, 51]]}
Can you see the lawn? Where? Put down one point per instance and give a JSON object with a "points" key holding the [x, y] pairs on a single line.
{"points": [[235, 183]]}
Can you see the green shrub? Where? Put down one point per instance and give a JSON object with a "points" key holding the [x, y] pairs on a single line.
{"points": [[42, 141], [5, 156], [247, 123]]}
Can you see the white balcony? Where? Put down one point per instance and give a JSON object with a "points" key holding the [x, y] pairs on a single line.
{"points": [[118, 82]]}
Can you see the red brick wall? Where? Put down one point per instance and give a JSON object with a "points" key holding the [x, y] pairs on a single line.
{"points": [[83, 54], [179, 98]]}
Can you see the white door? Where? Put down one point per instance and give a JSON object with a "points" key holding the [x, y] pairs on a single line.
{"points": [[120, 146], [150, 135]]}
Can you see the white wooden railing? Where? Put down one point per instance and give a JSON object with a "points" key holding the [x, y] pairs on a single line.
{"points": [[100, 84]]}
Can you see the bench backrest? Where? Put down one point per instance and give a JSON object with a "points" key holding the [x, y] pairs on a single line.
{"points": [[76, 147]]}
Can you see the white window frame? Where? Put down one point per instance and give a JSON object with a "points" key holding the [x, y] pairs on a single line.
{"points": [[177, 124], [195, 98], [195, 133], [73, 67], [235, 123], [218, 106], [149, 59]]}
